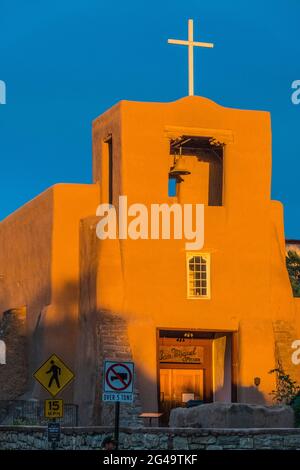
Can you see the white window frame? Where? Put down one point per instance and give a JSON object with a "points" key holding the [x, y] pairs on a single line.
{"points": [[190, 255]]}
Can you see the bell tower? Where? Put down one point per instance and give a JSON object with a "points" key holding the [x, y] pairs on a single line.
{"points": [[197, 170]]}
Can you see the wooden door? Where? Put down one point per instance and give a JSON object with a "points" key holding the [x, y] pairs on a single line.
{"points": [[177, 386]]}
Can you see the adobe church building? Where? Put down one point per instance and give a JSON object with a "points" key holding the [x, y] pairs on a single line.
{"points": [[206, 324]]}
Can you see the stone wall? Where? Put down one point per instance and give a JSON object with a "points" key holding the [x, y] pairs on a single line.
{"points": [[285, 334], [13, 375], [21, 437]]}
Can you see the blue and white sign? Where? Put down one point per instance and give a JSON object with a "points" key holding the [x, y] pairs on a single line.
{"points": [[118, 381]]}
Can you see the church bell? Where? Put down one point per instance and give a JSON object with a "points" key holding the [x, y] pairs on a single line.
{"points": [[179, 169]]}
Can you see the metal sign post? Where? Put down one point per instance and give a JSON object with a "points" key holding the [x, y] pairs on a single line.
{"points": [[117, 423]]}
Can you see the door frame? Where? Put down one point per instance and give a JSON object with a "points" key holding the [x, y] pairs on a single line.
{"points": [[234, 362]]}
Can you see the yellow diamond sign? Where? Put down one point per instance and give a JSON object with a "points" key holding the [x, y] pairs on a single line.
{"points": [[54, 375]]}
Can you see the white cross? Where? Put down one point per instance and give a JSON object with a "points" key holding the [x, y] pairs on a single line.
{"points": [[190, 43]]}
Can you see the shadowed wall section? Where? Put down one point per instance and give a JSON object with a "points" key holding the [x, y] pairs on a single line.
{"points": [[39, 261]]}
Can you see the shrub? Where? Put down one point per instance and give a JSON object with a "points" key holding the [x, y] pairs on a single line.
{"points": [[287, 391]]}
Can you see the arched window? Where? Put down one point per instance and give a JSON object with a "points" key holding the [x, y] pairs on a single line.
{"points": [[198, 275]]}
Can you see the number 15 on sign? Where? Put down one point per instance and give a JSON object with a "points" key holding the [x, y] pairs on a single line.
{"points": [[54, 408]]}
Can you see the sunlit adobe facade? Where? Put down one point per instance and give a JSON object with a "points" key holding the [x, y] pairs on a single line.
{"points": [[247, 317], [208, 324]]}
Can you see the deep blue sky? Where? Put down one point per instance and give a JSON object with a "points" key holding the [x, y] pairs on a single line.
{"points": [[65, 62]]}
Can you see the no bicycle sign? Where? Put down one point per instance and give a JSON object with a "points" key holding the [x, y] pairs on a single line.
{"points": [[118, 381]]}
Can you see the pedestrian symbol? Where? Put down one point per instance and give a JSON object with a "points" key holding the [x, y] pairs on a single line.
{"points": [[54, 375], [55, 371]]}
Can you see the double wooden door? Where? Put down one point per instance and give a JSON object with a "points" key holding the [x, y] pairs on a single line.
{"points": [[177, 386]]}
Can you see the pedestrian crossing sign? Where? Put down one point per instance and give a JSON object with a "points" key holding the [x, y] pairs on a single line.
{"points": [[54, 375]]}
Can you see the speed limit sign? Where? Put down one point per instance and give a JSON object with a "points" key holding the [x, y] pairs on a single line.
{"points": [[54, 409]]}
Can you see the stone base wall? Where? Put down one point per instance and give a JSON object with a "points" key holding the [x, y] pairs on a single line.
{"points": [[22, 437], [285, 333], [113, 344]]}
